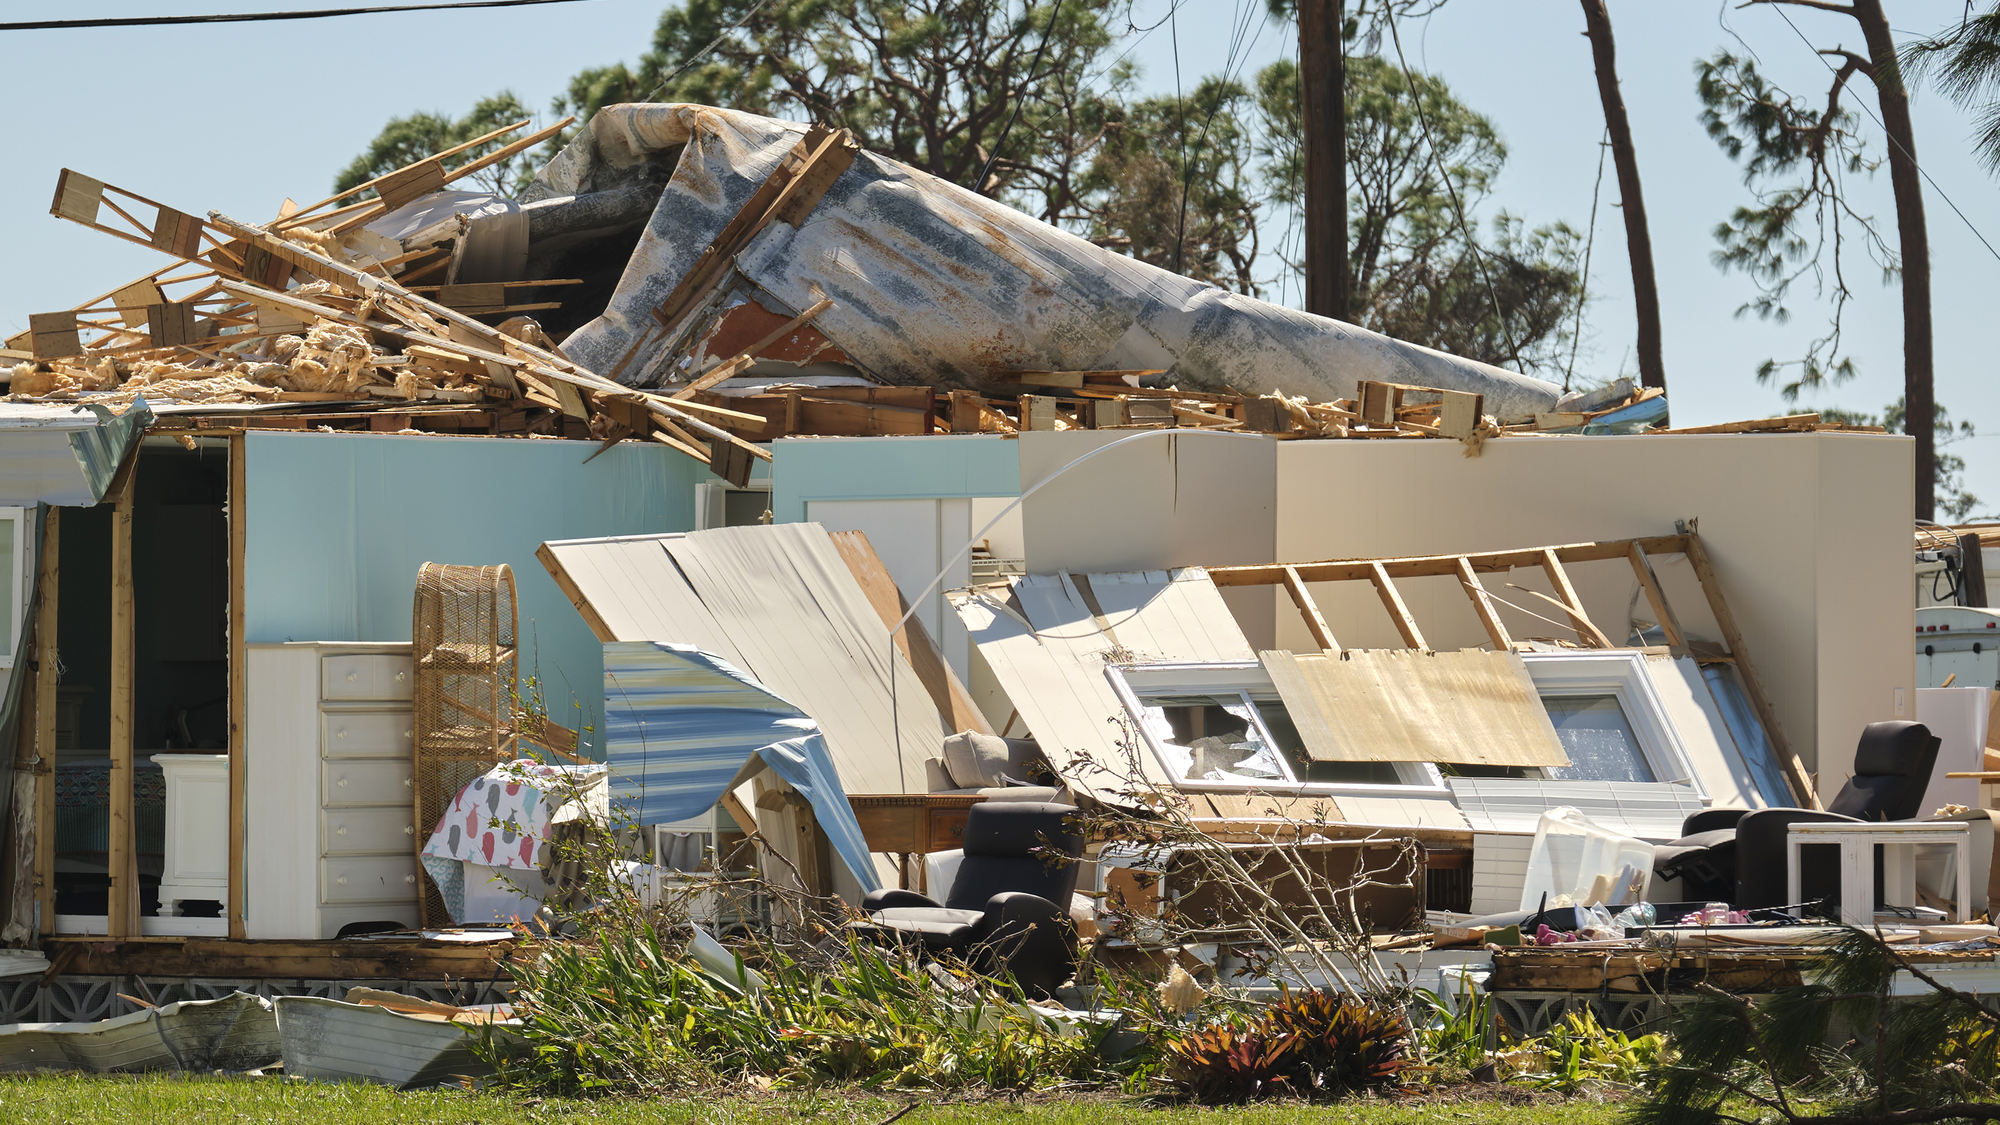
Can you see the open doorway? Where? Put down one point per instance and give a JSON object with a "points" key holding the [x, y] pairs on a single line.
{"points": [[180, 667]]}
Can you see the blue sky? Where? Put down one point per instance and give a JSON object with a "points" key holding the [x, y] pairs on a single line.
{"points": [[237, 117]]}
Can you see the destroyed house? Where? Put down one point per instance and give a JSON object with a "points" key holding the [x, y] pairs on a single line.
{"points": [[1147, 534]]}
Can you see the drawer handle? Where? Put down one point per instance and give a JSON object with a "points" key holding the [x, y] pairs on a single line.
{"points": [[400, 676], [340, 831], [341, 733], [350, 677], [409, 878], [340, 881], [406, 783], [408, 830], [342, 783]]}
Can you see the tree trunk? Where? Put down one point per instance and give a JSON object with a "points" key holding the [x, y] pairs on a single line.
{"points": [[1919, 399], [1322, 89], [1638, 241]]}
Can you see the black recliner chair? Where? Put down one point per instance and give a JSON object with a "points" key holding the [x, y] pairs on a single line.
{"points": [[1008, 908], [1738, 855]]}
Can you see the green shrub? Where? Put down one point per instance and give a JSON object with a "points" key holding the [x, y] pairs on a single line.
{"points": [[623, 1012]]}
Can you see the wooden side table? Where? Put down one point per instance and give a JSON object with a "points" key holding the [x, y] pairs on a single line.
{"points": [[907, 824], [1899, 841]]}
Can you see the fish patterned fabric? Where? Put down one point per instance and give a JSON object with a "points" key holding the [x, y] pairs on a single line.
{"points": [[503, 817]]}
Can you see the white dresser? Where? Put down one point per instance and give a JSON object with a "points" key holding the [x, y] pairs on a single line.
{"points": [[331, 837]]}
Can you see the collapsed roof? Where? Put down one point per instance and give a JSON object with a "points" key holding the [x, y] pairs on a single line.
{"points": [[930, 282]]}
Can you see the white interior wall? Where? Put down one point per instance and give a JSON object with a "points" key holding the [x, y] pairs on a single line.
{"points": [[1005, 539], [1176, 498], [914, 538], [1808, 533]]}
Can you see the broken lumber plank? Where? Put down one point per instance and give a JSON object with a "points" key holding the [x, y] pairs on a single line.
{"points": [[1663, 614], [1392, 600], [1483, 605], [1459, 413], [1586, 631], [1039, 412], [1308, 609], [1790, 422], [748, 356], [305, 214]]}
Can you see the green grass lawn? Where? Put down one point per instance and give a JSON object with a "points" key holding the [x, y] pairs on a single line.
{"points": [[143, 1100]]}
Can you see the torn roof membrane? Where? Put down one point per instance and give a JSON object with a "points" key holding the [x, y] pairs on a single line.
{"points": [[934, 284]]}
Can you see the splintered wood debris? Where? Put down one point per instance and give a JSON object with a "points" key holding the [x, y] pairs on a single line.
{"points": [[316, 320]]}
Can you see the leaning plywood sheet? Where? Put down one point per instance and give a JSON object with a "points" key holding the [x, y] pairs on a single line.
{"points": [[778, 603], [1470, 707], [931, 281], [1048, 639]]}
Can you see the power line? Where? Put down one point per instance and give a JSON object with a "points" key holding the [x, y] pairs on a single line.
{"points": [[1230, 65], [704, 52], [1472, 244], [263, 17], [1583, 286], [979, 186], [1914, 163]]}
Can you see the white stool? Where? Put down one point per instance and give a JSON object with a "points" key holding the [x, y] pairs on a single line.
{"points": [[1899, 840]]}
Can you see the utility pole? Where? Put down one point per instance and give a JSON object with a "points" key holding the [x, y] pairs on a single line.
{"points": [[1323, 89], [1638, 241]]}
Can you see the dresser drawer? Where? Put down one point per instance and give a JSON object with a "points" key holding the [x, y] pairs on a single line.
{"points": [[368, 879], [378, 831], [345, 783], [377, 676], [367, 734]]}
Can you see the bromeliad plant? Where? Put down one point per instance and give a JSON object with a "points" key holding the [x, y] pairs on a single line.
{"points": [[1308, 1044]]}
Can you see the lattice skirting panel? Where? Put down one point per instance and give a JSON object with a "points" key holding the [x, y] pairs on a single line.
{"points": [[79, 999], [1532, 1013]]}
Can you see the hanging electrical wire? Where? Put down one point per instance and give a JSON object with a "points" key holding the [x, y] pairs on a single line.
{"points": [[1035, 65], [704, 52], [1589, 243], [1865, 108], [1451, 189], [264, 17]]}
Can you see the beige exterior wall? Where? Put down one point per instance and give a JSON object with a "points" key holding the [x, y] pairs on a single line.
{"points": [[1809, 534], [1168, 499]]}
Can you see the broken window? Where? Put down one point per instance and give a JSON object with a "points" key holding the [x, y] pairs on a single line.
{"points": [[1212, 737], [1599, 739]]}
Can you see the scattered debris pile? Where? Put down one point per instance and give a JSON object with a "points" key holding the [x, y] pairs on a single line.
{"points": [[409, 311]]}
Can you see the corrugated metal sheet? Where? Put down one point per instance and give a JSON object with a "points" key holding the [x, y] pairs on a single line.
{"points": [[235, 1032], [1048, 649], [778, 603], [336, 1042], [683, 726], [933, 283], [64, 455]]}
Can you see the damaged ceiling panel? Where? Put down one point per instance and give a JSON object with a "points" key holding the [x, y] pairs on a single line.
{"points": [[931, 283], [1049, 637]]}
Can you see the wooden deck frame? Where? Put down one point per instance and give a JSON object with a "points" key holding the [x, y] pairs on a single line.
{"points": [[1381, 574]]}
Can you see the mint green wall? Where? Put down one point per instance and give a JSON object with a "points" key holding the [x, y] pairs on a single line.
{"points": [[944, 466], [339, 524]]}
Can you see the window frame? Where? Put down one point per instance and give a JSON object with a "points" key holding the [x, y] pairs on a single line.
{"points": [[1624, 676], [18, 575], [1248, 678]]}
